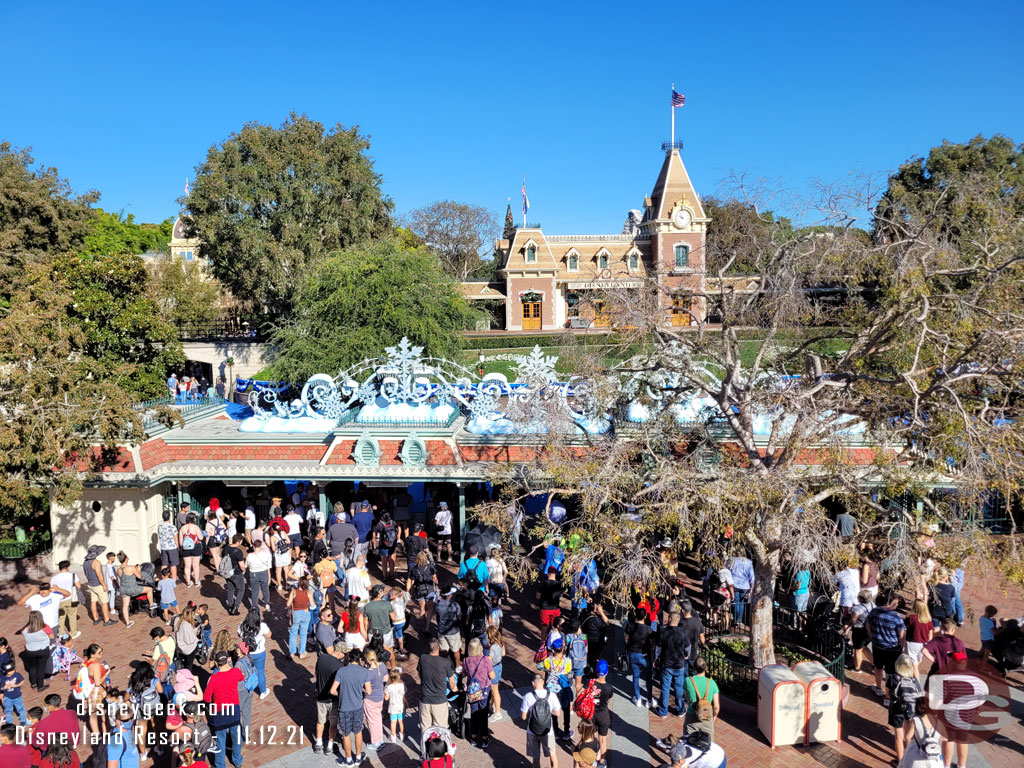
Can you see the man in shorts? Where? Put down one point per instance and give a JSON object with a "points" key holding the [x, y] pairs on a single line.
{"points": [[167, 539], [327, 666], [887, 630], [443, 521], [449, 625], [538, 745], [351, 685]]}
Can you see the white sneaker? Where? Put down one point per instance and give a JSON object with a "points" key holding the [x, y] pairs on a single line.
{"points": [[76, 635], [496, 717], [130, 624], [264, 694]]}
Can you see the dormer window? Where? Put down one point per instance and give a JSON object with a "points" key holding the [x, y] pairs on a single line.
{"points": [[602, 261], [682, 256], [634, 262], [531, 254], [188, 255], [573, 262]]}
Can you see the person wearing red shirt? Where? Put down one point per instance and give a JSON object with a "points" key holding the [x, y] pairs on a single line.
{"points": [[12, 754], [60, 756], [224, 714], [58, 726]]}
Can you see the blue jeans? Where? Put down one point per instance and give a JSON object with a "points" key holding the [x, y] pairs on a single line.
{"points": [[958, 608], [299, 632], [638, 662], [208, 637], [260, 660], [16, 705], [738, 604], [221, 735], [672, 681], [800, 601]]}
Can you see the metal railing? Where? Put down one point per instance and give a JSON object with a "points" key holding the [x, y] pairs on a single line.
{"points": [[188, 409], [221, 329], [619, 238], [349, 417]]}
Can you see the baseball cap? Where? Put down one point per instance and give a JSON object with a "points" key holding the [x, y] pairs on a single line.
{"points": [[222, 657], [679, 752], [602, 667], [451, 592], [557, 644]]}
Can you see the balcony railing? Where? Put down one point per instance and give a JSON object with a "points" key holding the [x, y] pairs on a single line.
{"points": [[619, 238], [219, 330]]}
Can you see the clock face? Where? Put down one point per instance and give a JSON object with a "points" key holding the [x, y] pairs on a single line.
{"points": [[681, 219]]}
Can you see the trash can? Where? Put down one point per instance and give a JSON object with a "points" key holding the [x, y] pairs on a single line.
{"points": [[824, 697], [781, 705]]}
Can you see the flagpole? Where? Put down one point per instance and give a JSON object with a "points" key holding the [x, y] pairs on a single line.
{"points": [[672, 109], [524, 201]]}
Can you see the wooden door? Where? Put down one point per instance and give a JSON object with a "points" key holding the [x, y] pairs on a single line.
{"points": [[681, 310], [602, 314], [531, 315]]}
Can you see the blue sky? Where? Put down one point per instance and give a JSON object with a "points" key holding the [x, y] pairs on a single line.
{"points": [[461, 99]]}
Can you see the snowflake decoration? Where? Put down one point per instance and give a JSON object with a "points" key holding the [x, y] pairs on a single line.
{"points": [[405, 356], [537, 366], [367, 393]]}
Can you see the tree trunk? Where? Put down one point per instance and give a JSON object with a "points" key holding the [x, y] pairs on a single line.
{"points": [[762, 597]]}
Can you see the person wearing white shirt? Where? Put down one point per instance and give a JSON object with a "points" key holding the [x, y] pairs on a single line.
{"points": [[358, 580], [443, 521], [68, 582], [314, 517], [46, 600], [258, 564], [250, 523], [294, 520], [848, 581]]}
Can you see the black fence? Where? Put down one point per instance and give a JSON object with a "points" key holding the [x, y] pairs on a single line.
{"points": [[222, 329]]}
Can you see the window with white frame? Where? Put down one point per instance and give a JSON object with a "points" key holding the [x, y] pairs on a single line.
{"points": [[531, 254], [682, 255], [187, 255], [634, 262], [573, 262], [602, 261]]}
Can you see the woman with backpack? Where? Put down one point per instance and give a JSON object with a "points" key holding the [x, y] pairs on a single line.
{"points": [[123, 750], [924, 744], [422, 583], [479, 675], [191, 538], [186, 637], [250, 682], [144, 698], [904, 692], [254, 633], [385, 540], [216, 533]]}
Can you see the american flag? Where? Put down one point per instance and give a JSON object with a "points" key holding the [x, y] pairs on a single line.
{"points": [[677, 99], [526, 200], [186, 186]]}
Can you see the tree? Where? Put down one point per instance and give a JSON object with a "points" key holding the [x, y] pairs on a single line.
{"points": [[183, 294], [39, 216], [118, 326], [459, 233], [930, 190], [361, 296], [269, 203], [116, 233], [735, 232], [510, 226], [762, 433]]}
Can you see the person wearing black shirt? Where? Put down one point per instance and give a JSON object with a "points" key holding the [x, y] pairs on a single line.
{"points": [[602, 709], [436, 677], [693, 628], [549, 597], [675, 652], [234, 586], [595, 627], [638, 641], [414, 543], [327, 664]]}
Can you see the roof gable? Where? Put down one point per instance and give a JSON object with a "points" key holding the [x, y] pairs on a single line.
{"points": [[674, 186]]}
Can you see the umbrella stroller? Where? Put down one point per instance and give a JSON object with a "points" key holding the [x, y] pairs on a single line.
{"points": [[436, 732], [457, 711]]}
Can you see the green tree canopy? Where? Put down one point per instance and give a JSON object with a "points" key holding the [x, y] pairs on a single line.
{"points": [[269, 203], [363, 298], [184, 295], [955, 190], [117, 233], [39, 216], [120, 329], [734, 234]]}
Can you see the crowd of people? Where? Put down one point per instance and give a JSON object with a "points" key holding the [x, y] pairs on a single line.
{"points": [[189, 698]]}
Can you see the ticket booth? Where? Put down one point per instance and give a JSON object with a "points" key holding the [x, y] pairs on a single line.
{"points": [[781, 705], [824, 702]]}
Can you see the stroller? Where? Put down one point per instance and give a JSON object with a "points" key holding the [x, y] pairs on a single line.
{"points": [[457, 711], [63, 658], [436, 732]]}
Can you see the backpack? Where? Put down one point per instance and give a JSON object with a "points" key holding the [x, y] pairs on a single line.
{"points": [[447, 616], [477, 623], [699, 740], [553, 677], [1013, 656], [202, 739], [220, 535], [250, 678], [188, 542], [578, 651], [472, 577], [149, 699], [704, 708], [226, 567], [541, 654], [390, 537], [584, 705], [282, 545], [539, 720], [931, 745], [84, 685], [163, 667]]}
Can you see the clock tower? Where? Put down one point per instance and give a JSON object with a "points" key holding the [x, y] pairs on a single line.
{"points": [[675, 221]]}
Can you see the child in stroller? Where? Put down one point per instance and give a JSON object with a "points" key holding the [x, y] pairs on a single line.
{"points": [[437, 747], [64, 656]]}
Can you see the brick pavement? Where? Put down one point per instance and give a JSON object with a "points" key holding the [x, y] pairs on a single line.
{"points": [[281, 720]]}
